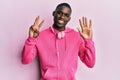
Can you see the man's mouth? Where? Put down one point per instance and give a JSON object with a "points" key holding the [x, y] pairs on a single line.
{"points": [[60, 21]]}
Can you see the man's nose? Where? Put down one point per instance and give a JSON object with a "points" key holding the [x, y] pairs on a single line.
{"points": [[62, 16]]}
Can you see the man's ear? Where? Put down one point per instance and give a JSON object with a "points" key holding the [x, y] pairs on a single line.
{"points": [[53, 13]]}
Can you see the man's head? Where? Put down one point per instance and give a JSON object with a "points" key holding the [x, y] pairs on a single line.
{"points": [[62, 16]]}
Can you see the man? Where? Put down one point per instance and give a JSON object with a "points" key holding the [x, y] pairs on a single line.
{"points": [[58, 47]]}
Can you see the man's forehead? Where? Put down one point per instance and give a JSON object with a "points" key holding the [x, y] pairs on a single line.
{"points": [[61, 8]]}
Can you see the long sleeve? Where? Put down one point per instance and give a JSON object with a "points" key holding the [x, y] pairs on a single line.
{"points": [[87, 52], [29, 51]]}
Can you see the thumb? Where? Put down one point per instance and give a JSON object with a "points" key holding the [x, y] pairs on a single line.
{"points": [[80, 31]]}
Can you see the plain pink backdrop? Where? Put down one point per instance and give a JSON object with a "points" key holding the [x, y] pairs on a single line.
{"points": [[16, 16]]}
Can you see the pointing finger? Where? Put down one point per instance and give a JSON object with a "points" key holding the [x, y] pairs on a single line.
{"points": [[36, 20], [81, 23]]}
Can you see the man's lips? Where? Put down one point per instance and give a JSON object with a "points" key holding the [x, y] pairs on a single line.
{"points": [[60, 21]]}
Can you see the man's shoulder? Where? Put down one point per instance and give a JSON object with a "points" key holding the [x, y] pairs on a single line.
{"points": [[68, 30], [71, 30], [45, 30], [73, 33]]}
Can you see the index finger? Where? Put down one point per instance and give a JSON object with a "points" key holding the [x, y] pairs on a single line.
{"points": [[36, 20], [81, 23]]}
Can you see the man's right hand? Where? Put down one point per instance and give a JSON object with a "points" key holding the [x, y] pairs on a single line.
{"points": [[34, 29]]}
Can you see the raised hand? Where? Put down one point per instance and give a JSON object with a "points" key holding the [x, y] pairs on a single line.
{"points": [[85, 30], [34, 29]]}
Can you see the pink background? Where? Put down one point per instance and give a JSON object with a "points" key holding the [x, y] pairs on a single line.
{"points": [[16, 16]]}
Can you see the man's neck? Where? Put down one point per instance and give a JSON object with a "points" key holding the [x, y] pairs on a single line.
{"points": [[59, 28]]}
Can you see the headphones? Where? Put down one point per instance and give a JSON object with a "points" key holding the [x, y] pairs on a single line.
{"points": [[59, 35]]}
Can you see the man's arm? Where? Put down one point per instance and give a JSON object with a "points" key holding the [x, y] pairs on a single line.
{"points": [[30, 51], [87, 53], [87, 49]]}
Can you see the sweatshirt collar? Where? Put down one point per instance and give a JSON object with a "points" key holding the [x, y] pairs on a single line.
{"points": [[67, 29]]}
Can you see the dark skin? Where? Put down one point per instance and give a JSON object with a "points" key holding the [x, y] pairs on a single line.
{"points": [[62, 16]]}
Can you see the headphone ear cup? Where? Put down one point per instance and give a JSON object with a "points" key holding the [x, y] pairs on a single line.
{"points": [[61, 35]]}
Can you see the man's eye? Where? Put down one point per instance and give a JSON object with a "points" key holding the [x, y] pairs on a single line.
{"points": [[67, 15], [59, 12]]}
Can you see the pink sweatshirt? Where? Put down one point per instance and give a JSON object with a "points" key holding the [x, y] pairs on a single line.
{"points": [[59, 57]]}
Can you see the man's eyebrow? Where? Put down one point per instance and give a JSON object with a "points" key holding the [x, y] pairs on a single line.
{"points": [[63, 12]]}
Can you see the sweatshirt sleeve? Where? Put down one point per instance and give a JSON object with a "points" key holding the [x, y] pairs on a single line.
{"points": [[29, 50], [87, 52]]}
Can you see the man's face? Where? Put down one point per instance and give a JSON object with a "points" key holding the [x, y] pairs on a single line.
{"points": [[61, 16]]}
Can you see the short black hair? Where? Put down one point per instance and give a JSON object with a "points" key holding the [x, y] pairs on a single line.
{"points": [[64, 4]]}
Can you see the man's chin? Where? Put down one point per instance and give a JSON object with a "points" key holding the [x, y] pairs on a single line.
{"points": [[60, 25]]}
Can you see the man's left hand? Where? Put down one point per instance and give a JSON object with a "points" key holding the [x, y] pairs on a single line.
{"points": [[85, 30]]}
